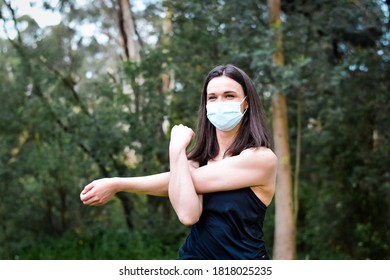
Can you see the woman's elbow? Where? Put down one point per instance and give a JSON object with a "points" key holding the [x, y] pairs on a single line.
{"points": [[188, 219]]}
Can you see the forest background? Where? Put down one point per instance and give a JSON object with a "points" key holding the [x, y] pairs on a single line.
{"points": [[76, 106]]}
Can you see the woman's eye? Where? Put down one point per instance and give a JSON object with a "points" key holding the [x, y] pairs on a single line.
{"points": [[211, 98]]}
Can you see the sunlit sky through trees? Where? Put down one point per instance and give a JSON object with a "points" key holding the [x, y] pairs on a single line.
{"points": [[45, 17]]}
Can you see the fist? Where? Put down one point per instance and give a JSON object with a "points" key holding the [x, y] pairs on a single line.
{"points": [[181, 136]]}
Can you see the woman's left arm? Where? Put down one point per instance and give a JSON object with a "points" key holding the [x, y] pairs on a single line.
{"points": [[182, 194], [253, 167]]}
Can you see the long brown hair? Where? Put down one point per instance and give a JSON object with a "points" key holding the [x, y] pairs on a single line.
{"points": [[254, 131]]}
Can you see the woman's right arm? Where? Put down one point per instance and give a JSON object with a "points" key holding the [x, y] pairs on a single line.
{"points": [[101, 191]]}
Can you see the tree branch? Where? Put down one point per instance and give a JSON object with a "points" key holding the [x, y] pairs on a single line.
{"points": [[68, 82]]}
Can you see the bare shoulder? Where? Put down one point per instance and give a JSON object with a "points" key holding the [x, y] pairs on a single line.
{"points": [[263, 156], [264, 161]]}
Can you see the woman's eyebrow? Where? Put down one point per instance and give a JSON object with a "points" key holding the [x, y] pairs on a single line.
{"points": [[225, 92]]}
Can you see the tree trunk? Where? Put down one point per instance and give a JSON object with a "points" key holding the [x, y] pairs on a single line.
{"points": [[131, 44], [284, 239], [167, 84], [128, 33], [168, 75]]}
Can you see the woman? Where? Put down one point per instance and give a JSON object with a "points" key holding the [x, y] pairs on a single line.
{"points": [[223, 186]]}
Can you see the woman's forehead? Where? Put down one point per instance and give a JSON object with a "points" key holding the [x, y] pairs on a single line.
{"points": [[223, 84]]}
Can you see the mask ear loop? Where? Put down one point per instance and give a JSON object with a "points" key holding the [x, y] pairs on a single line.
{"points": [[245, 108]]}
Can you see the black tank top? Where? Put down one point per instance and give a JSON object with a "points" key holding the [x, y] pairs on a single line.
{"points": [[230, 227]]}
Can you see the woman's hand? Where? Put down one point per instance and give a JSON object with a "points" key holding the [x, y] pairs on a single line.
{"points": [[181, 136], [98, 192]]}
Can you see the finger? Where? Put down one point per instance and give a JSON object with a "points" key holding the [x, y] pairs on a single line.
{"points": [[91, 201], [86, 195], [88, 187]]}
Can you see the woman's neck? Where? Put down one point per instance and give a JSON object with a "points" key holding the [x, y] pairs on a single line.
{"points": [[225, 139]]}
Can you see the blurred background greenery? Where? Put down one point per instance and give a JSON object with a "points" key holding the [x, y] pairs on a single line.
{"points": [[95, 95]]}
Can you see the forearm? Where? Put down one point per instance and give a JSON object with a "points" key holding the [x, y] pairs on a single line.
{"points": [[182, 194], [103, 190], [152, 184]]}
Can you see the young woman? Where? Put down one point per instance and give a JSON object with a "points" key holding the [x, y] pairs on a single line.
{"points": [[223, 186]]}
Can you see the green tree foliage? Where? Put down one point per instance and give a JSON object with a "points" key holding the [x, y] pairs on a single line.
{"points": [[71, 123], [344, 134], [71, 112]]}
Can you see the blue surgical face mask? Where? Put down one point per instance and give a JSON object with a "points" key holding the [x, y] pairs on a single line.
{"points": [[224, 115]]}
